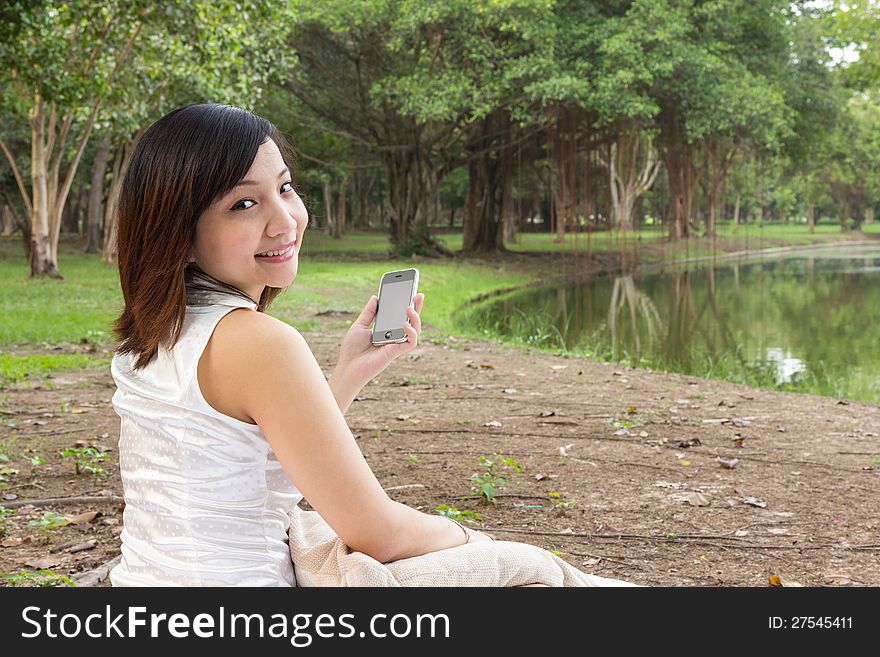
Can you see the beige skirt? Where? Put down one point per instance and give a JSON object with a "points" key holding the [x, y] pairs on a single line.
{"points": [[320, 558]]}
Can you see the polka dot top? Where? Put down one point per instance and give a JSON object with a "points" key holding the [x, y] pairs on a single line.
{"points": [[206, 500]]}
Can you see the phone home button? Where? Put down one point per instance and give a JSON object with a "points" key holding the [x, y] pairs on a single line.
{"points": [[387, 335]]}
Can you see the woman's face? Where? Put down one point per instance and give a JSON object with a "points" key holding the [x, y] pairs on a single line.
{"points": [[263, 213]]}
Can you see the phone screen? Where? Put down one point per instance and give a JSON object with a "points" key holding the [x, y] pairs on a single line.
{"points": [[393, 300]]}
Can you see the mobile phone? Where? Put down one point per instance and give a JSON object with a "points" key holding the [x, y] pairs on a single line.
{"points": [[397, 289]]}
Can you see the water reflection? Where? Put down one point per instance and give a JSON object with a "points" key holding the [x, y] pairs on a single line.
{"points": [[807, 321], [787, 366]]}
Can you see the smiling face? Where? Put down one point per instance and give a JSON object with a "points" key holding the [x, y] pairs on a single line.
{"points": [[262, 213]]}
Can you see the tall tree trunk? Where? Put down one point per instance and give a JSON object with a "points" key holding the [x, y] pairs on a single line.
{"points": [[328, 209], [811, 217], [95, 215], [736, 211], [632, 170], [339, 225], [508, 216], [406, 173], [868, 214], [677, 156], [70, 213], [41, 260], [6, 220], [482, 225]]}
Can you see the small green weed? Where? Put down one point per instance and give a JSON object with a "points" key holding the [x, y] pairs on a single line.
{"points": [[37, 578], [4, 513], [560, 504], [49, 521], [454, 514], [35, 460], [495, 473], [86, 459]]}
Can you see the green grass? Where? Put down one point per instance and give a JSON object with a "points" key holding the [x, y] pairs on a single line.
{"points": [[333, 274], [19, 368], [81, 307]]}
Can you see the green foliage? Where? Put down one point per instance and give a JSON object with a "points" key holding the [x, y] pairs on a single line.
{"points": [[455, 514], [558, 502], [20, 368], [86, 459], [35, 460], [4, 513], [49, 521], [495, 472], [37, 578]]}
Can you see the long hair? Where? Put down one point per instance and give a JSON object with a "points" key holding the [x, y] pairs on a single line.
{"points": [[183, 162]]}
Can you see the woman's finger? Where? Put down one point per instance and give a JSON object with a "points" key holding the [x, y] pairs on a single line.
{"points": [[415, 319]]}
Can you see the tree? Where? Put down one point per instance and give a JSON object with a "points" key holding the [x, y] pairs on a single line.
{"points": [[63, 63], [708, 73]]}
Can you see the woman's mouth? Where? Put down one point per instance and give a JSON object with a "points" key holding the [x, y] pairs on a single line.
{"points": [[281, 254]]}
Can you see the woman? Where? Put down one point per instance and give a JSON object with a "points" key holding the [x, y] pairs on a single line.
{"points": [[227, 420]]}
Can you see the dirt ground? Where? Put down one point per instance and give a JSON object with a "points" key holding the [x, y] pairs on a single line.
{"points": [[624, 472]]}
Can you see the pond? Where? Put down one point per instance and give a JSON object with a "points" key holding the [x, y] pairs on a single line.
{"points": [[807, 321]]}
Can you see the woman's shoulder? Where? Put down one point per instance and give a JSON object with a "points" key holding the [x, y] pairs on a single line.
{"points": [[243, 343], [246, 334]]}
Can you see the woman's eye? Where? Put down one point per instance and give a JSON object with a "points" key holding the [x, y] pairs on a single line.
{"points": [[286, 187], [239, 206]]}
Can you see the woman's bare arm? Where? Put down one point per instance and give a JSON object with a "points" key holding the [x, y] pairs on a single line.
{"points": [[284, 390]]}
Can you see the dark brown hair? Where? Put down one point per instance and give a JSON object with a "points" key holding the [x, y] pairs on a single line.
{"points": [[183, 162]]}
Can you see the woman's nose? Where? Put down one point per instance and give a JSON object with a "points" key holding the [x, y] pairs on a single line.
{"points": [[282, 220]]}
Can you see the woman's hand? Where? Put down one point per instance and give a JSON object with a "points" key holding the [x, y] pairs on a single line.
{"points": [[476, 536], [359, 359]]}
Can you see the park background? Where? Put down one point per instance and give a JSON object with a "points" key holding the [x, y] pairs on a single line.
{"points": [[645, 230]]}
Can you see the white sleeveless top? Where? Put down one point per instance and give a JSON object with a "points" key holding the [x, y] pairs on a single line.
{"points": [[206, 500]]}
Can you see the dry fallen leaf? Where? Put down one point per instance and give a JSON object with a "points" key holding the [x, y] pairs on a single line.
{"points": [[837, 578], [754, 501], [730, 464], [83, 518], [41, 563], [487, 366], [692, 498], [493, 423], [12, 541]]}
